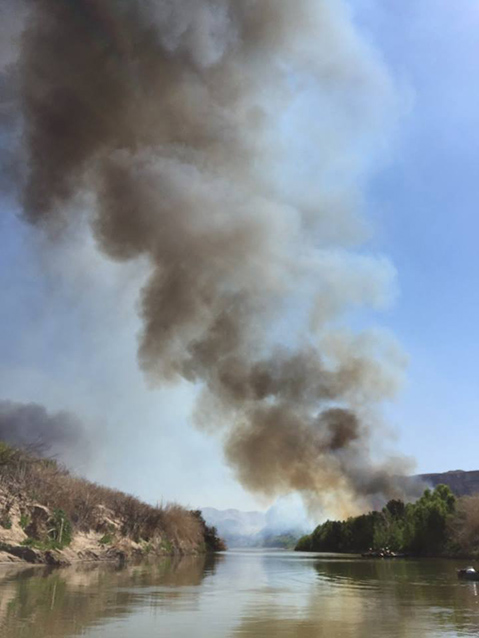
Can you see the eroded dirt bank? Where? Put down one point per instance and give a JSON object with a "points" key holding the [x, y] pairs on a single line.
{"points": [[49, 516]]}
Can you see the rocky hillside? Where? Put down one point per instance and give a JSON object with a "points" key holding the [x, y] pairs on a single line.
{"points": [[49, 516], [461, 483]]}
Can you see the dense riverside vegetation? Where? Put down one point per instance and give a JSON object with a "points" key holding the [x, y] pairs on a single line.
{"points": [[436, 524], [44, 507]]}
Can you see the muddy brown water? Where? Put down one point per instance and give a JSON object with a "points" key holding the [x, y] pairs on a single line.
{"points": [[241, 593]]}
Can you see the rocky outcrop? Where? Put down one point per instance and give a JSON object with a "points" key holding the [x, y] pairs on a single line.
{"points": [[461, 483]]}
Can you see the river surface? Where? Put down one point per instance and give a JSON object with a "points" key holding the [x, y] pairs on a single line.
{"points": [[242, 594]]}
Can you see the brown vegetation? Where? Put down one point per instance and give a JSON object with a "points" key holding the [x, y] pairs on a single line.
{"points": [[90, 507], [465, 525]]}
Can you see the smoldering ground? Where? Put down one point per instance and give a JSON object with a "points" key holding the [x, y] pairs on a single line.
{"points": [[176, 128]]}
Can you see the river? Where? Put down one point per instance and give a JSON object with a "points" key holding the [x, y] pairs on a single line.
{"points": [[243, 594]]}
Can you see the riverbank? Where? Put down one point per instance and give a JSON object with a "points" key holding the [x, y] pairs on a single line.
{"points": [[49, 516], [437, 525]]}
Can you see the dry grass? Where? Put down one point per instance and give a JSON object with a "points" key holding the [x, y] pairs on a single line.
{"points": [[182, 525], [465, 525], [49, 484]]}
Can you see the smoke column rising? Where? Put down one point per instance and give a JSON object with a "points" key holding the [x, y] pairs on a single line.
{"points": [[177, 127]]}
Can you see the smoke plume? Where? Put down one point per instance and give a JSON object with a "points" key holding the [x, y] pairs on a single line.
{"points": [[29, 426], [226, 144]]}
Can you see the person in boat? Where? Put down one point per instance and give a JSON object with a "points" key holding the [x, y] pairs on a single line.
{"points": [[469, 573]]}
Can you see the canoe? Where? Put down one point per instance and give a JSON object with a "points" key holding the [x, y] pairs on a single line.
{"points": [[465, 574]]}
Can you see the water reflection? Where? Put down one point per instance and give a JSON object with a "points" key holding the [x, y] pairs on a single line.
{"points": [[50, 603], [247, 594], [427, 587], [356, 598]]}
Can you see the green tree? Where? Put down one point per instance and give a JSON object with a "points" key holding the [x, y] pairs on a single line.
{"points": [[422, 527], [427, 521]]}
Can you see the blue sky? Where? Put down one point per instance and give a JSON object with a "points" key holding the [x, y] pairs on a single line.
{"points": [[60, 346], [425, 206]]}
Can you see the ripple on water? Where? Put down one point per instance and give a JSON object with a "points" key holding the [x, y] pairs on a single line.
{"points": [[248, 594]]}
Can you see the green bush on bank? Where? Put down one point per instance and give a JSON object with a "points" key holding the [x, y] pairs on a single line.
{"points": [[423, 527]]}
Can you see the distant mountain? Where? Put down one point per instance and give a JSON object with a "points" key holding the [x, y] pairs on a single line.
{"points": [[230, 523], [250, 529], [461, 483]]}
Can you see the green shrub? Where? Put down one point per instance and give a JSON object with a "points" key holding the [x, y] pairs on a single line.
{"points": [[60, 533], [6, 521], [107, 539], [43, 546], [167, 546]]}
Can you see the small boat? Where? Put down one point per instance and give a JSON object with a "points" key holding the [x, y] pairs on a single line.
{"points": [[382, 553], [468, 573]]}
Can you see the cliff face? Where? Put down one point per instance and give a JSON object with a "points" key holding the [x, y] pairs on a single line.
{"points": [[461, 483]]}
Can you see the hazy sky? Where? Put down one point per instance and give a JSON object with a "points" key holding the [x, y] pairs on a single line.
{"points": [[69, 334]]}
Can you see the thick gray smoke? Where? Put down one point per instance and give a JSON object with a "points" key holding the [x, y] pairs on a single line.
{"points": [[29, 426], [225, 142]]}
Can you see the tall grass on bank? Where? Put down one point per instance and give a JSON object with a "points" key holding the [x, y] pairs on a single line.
{"points": [[48, 483]]}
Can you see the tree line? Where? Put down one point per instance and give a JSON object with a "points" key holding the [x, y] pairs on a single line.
{"points": [[438, 523]]}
